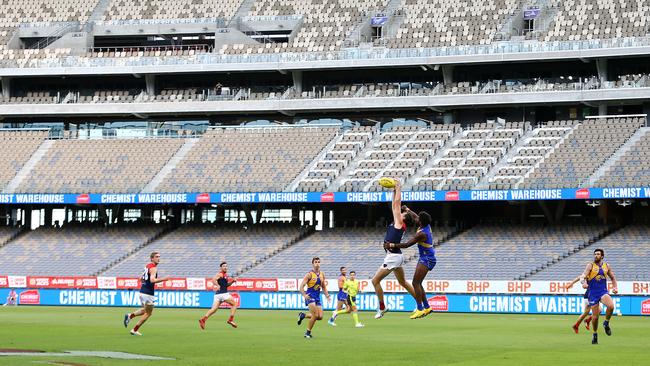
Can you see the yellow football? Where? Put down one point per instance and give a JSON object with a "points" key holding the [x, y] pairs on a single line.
{"points": [[387, 182]]}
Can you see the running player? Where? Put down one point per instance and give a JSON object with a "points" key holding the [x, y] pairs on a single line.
{"points": [[221, 282], [149, 279], [341, 297], [595, 280], [394, 258], [585, 304], [427, 261], [351, 288], [315, 281]]}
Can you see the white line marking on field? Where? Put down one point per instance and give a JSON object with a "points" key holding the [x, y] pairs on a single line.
{"points": [[102, 354]]}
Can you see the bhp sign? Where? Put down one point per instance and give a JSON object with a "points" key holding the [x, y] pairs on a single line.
{"points": [[452, 196], [30, 297], [645, 307], [439, 303], [583, 194], [327, 197]]}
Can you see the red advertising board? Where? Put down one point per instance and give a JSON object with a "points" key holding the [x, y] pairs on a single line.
{"points": [[4, 281], [439, 303], [645, 307], [172, 284], [128, 283], [249, 284], [29, 297]]}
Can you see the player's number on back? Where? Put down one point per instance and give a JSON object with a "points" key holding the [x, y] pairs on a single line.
{"points": [[145, 274]]}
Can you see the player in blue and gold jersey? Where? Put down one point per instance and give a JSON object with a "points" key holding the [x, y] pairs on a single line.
{"points": [[595, 281], [424, 239], [341, 297], [314, 280]]}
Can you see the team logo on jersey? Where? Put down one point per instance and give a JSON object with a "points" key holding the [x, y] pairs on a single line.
{"points": [[452, 196], [30, 297], [203, 198], [583, 194], [645, 307], [327, 197], [83, 198], [439, 303]]}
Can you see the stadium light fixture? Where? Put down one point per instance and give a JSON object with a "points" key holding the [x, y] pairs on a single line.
{"points": [[624, 203], [593, 203]]}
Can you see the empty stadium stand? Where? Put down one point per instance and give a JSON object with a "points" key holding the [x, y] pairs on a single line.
{"points": [[248, 159], [89, 166], [74, 250], [632, 168], [16, 147], [197, 250], [626, 250]]}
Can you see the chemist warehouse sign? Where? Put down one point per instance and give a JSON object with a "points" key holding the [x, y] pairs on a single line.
{"points": [[478, 303], [299, 197]]}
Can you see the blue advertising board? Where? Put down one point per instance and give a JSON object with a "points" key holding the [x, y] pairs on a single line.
{"points": [[326, 197], [460, 303]]}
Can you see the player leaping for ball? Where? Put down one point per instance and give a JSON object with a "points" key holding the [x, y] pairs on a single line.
{"points": [[221, 282], [315, 281], [595, 280], [394, 258], [426, 262], [149, 279]]}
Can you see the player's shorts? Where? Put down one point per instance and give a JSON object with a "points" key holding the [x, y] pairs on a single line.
{"points": [[393, 260], [147, 299], [352, 301], [222, 297], [313, 299], [595, 298], [428, 261], [342, 296]]}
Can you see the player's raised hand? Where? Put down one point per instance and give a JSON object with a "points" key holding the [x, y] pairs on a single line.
{"points": [[615, 290]]}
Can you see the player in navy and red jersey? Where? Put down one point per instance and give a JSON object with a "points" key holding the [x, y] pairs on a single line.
{"points": [[149, 279], [394, 258], [221, 282]]}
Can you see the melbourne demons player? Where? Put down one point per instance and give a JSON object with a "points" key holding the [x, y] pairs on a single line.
{"points": [[149, 279], [221, 282]]}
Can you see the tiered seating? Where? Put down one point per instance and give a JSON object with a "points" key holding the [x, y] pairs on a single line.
{"points": [[360, 250], [632, 169], [589, 146], [470, 158], [176, 9], [247, 159], [626, 250], [585, 19], [541, 142], [15, 12], [500, 252], [197, 250], [435, 23], [336, 159], [16, 147], [393, 155], [100, 166], [78, 250], [6, 233], [325, 24]]}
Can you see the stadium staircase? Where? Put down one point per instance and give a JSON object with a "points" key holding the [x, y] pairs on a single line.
{"points": [[243, 10], [616, 156], [434, 159], [311, 166], [337, 184], [587, 244], [566, 137], [307, 232], [135, 250], [97, 14], [28, 167], [171, 164], [13, 237], [484, 183]]}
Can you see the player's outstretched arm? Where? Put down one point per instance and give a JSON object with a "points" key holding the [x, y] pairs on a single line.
{"points": [[575, 280], [152, 274], [612, 277], [397, 205], [583, 278], [302, 286]]}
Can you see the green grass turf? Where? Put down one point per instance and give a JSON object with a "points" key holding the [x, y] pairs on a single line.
{"points": [[273, 338]]}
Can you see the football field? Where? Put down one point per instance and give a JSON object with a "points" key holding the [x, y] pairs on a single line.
{"points": [[273, 338]]}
